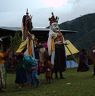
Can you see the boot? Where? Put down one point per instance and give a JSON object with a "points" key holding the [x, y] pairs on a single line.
{"points": [[56, 75], [61, 75]]}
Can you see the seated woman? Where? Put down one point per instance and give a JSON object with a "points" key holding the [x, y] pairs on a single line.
{"points": [[83, 61]]}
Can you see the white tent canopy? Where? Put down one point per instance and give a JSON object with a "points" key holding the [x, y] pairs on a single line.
{"points": [[71, 64]]}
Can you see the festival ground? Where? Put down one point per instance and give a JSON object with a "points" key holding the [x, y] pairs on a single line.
{"points": [[74, 84]]}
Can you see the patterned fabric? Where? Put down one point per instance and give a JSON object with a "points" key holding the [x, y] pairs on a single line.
{"points": [[26, 25], [53, 19]]}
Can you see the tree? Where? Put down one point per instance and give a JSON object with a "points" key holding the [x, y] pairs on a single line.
{"points": [[15, 42]]}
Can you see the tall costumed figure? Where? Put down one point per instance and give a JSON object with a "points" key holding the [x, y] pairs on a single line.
{"points": [[56, 48], [26, 33], [26, 25]]}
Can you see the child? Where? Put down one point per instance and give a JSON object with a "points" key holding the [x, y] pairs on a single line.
{"points": [[48, 71]]}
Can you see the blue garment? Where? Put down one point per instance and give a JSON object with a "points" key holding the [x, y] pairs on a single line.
{"points": [[35, 79], [31, 62]]}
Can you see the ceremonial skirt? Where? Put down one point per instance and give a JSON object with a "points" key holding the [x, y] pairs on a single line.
{"points": [[60, 58]]}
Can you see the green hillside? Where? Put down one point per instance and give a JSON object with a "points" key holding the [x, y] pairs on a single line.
{"points": [[85, 25]]}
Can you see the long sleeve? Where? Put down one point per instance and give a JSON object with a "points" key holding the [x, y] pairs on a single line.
{"points": [[51, 38]]}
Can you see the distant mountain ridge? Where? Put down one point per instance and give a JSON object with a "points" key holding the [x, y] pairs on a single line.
{"points": [[85, 25]]}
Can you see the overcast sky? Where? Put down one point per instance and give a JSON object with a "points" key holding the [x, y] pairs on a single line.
{"points": [[11, 11]]}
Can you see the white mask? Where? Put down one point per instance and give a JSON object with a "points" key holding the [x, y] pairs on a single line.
{"points": [[54, 27]]}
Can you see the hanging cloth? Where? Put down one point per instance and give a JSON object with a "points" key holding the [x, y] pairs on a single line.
{"points": [[30, 47]]}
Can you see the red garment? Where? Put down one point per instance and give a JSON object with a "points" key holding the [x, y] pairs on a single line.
{"points": [[59, 37]]}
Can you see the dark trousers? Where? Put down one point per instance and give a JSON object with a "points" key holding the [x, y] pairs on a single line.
{"points": [[60, 60], [60, 74]]}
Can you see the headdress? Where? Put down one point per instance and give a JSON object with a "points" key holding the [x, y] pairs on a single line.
{"points": [[53, 19], [27, 11]]}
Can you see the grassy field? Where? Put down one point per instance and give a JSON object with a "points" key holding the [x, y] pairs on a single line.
{"points": [[74, 84]]}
